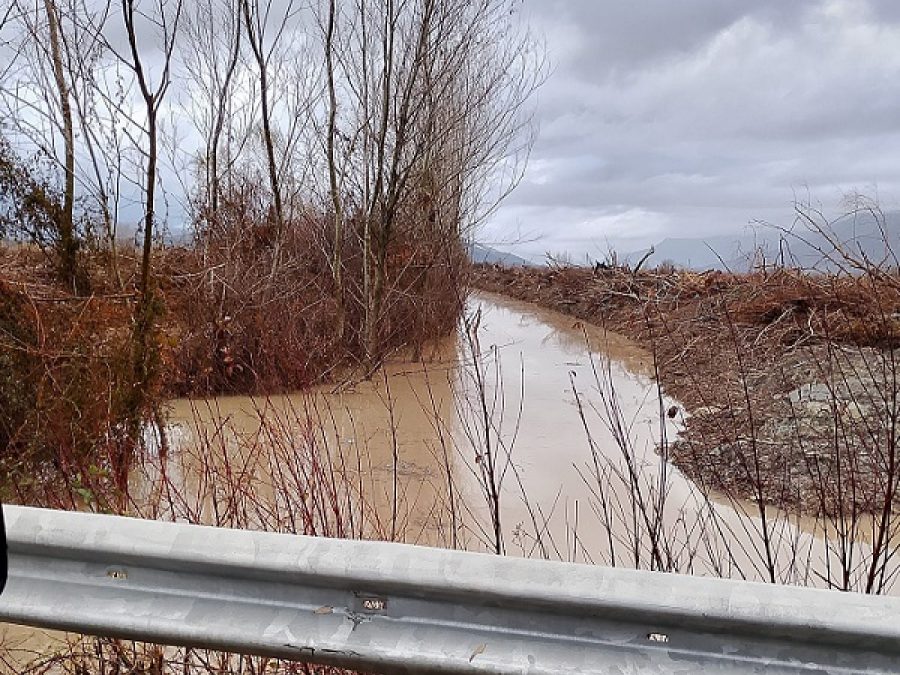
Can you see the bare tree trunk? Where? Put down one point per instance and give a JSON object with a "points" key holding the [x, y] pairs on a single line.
{"points": [[150, 209], [146, 311], [255, 38], [221, 107], [336, 203], [150, 100], [374, 254], [68, 241]]}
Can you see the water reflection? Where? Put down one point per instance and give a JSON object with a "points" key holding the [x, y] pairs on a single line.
{"points": [[528, 433]]}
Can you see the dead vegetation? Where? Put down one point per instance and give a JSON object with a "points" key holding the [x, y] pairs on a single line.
{"points": [[228, 327], [788, 376]]}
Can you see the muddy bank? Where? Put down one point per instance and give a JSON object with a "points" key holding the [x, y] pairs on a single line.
{"points": [[789, 381]]}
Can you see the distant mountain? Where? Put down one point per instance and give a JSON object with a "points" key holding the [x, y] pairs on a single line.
{"points": [[480, 253], [861, 234], [699, 254]]}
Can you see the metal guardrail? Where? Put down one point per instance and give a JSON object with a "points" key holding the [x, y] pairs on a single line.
{"points": [[397, 608]]}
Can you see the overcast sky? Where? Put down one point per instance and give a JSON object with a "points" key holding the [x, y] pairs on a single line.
{"points": [[665, 118]]}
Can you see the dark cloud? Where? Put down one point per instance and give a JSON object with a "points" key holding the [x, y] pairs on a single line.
{"points": [[676, 118], [621, 34]]}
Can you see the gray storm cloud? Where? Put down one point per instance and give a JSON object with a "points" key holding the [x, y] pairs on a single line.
{"points": [[694, 118]]}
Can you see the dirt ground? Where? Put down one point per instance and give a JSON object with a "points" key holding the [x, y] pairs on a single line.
{"points": [[788, 379]]}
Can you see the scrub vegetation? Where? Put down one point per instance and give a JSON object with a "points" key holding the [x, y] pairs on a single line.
{"points": [[230, 196], [240, 197]]}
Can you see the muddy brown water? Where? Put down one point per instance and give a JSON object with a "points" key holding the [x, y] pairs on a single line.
{"points": [[572, 423], [425, 422], [576, 430]]}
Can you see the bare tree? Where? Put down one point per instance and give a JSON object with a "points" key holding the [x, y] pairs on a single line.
{"points": [[256, 22], [211, 57], [163, 20], [333, 184], [98, 104], [39, 102], [91, 108], [68, 247], [433, 96]]}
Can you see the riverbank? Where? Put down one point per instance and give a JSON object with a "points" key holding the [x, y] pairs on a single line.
{"points": [[789, 380], [229, 317]]}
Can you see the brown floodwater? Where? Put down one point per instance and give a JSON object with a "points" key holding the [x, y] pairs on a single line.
{"points": [[566, 417], [528, 432], [426, 425]]}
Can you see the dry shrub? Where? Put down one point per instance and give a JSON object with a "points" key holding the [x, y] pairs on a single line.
{"points": [[17, 366], [427, 275], [253, 311], [854, 310], [63, 375], [858, 310]]}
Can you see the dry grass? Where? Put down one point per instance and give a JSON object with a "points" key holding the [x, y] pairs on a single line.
{"points": [[737, 350], [238, 315]]}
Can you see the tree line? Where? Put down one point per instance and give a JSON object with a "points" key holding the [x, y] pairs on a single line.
{"points": [[369, 136]]}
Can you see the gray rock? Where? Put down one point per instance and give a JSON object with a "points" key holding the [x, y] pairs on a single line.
{"points": [[810, 392]]}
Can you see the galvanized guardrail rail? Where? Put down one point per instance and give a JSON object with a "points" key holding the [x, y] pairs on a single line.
{"points": [[397, 608]]}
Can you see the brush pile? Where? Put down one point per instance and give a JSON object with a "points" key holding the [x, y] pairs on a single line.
{"points": [[789, 378]]}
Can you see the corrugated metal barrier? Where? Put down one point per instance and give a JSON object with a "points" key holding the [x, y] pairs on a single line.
{"points": [[396, 608]]}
